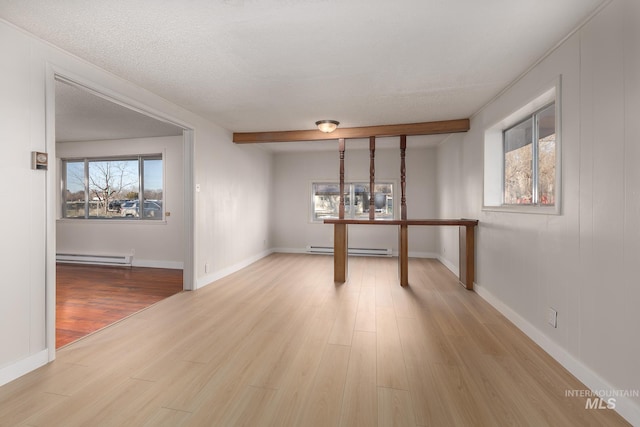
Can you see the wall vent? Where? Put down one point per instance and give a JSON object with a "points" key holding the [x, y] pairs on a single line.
{"points": [[95, 259], [385, 252]]}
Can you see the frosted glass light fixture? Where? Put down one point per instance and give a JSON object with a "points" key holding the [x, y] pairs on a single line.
{"points": [[327, 126]]}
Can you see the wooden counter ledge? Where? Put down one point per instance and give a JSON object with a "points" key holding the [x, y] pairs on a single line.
{"points": [[466, 243]]}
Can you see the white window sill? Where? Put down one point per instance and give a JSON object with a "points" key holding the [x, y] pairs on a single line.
{"points": [[112, 221], [537, 210]]}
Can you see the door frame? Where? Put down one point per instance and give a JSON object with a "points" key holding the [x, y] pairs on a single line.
{"points": [[52, 186]]}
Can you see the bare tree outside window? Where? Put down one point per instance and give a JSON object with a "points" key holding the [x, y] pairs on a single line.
{"points": [[326, 201], [109, 181], [98, 188], [547, 156], [530, 160], [518, 164]]}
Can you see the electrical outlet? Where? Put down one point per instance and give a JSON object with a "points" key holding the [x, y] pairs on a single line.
{"points": [[206, 267], [552, 317]]}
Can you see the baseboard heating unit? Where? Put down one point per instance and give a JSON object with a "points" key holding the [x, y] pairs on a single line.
{"points": [[386, 252], [125, 260]]}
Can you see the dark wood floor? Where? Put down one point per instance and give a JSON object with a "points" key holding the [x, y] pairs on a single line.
{"points": [[89, 297]]}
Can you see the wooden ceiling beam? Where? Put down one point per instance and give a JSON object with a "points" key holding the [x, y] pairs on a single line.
{"points": [[426, 128]]}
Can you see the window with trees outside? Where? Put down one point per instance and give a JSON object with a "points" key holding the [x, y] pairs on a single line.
{"points": [[113, 188], [326, 200], [530, 160]]}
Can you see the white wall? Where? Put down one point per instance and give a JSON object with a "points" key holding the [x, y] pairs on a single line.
{"points": [[230, 228], [22, 246], [232, 208], [584, 262], [449, 198], [152, 243], [292, 228]]}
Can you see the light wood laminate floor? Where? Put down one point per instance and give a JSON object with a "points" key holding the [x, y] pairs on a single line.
{"points": [[279, 344]]}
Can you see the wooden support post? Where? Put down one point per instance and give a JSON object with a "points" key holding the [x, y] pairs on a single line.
{"points": [[372, 177], [403, 254], [467, 256], [340, 236], [340, 252], [403, 246], [341, 206], [403, 178]]}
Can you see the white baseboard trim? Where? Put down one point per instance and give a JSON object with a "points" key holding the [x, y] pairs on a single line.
{"points": [[420, 254], [395, 253], [290, 250], [174, 265], [24, 366], [210, 278], [454, 269], [625, 406]]}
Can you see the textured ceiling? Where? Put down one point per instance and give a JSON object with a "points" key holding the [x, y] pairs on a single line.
{"points": [[252, 65], [82, 116]]}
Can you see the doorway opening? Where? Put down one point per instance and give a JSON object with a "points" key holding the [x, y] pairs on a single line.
{"points": [[152, 232]]}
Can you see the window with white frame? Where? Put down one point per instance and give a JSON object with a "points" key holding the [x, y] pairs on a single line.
{"points": [[522, 158], [325, 200], [530, 159], [113, 188]]}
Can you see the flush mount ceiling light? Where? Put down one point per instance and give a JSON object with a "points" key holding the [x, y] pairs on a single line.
{"points": [[327, 126]]}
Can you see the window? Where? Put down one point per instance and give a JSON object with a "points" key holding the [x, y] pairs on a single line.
{"points": [[113, 188], [326, 201], [522, 157], [530, 160]]}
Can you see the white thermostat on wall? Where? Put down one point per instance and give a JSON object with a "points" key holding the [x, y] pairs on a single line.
{"points": [[39, 160]]}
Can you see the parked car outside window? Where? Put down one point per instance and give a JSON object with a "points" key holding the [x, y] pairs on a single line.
{"points": [[115, 206], [151, 209]]}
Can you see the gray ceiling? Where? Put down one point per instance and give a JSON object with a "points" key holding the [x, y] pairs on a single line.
{"points": [[253, 65], [82, 116]]}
